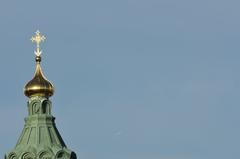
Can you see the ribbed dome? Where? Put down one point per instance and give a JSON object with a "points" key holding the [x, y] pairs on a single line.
{"points": [[39, 85]]}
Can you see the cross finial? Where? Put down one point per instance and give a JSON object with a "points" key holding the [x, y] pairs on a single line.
{"points": [[38, 38]]}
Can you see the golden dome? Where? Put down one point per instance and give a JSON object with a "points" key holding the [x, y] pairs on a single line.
{"points": [[39, 85]]}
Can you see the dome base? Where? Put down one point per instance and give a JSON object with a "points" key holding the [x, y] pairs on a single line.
{"points": [[40, 138]]}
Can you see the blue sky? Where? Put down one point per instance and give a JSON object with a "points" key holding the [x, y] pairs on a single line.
{"points": [[135, 79]]}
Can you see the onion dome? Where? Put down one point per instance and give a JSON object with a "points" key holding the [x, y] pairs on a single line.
{"points": [[39, 85]]}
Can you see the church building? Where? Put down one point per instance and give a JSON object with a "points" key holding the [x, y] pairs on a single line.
{"points": [[40, 138]]}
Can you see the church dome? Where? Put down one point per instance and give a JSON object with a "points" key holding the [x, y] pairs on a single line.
{"points": [[39, 85]]}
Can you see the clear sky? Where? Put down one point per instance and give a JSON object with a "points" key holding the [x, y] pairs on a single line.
{"points": [[135, 79]]}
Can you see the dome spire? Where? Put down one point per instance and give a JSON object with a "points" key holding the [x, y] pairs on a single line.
{"points": [[39, 85]]}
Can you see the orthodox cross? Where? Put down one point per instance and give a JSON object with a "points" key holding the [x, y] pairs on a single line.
{"points": [[38, 38]]}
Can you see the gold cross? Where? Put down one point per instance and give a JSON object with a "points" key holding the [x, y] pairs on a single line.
{"points": [[38, 38]]}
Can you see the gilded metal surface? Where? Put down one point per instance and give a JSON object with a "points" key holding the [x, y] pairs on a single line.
{"points": [[39, 85]]}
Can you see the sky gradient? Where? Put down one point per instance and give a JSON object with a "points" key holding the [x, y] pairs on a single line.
{"points": [[134, 79]]}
